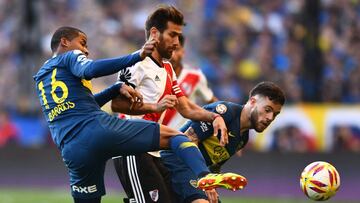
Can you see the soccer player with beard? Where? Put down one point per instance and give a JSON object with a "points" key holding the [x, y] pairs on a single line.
{"points": [[264, 104], [192, 82], [143, 176]]}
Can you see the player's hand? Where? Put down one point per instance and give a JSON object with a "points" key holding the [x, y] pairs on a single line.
{"points": [[212, 196], [219, 124], [169, 101], [148, 47], [133, 95]]}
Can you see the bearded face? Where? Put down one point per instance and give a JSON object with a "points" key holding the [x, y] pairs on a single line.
{"points": [[263, 113], [169, 40], [256, 124], [164, 50]]}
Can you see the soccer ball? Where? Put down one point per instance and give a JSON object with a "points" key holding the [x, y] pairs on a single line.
{"points": [[319, 181]]}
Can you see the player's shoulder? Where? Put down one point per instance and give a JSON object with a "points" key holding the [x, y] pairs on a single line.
{"points": [[71, 54], [49, 65], [221, 107], [146, 65], [77, 55], [76, 52]]}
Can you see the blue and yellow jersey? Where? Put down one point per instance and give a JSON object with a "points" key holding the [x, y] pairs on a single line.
{"points": [[64, 90], [209, 145]]}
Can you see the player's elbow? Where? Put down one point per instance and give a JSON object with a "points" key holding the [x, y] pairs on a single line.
{"points": [[120, 105], [115, 106]]}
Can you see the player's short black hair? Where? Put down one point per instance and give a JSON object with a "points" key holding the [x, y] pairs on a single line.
{"points": [[270, 90], [161, 16], [67, 32]]}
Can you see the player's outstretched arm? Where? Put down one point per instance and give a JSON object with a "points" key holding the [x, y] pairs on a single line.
{"points": [[194, 112], [131, 95], [122, 105], [85, 68], [107, 94]]}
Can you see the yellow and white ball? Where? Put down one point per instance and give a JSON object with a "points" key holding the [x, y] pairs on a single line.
{"points": [[320, 181]]}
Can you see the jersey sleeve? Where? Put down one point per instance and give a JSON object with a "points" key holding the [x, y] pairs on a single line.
{"points": [[85, 68], [77, 62], [205, 129], [203, 89], [175, 86], [132, 76], [107, 94], [225, 109]]}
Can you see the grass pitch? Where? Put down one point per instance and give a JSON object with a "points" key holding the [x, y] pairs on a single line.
{"points": [[62, 196]]}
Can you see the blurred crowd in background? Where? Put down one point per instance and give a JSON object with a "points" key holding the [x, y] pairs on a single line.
{"points": [[311, 48]]}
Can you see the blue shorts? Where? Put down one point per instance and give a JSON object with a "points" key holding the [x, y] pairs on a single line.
{"points": [[104, 137], [181, 175]]}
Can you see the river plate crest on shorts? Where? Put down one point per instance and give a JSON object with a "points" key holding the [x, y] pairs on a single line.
{"points": [[154, 194], [221, 108]]}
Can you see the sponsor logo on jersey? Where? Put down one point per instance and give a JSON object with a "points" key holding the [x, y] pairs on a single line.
{"points": [[154, 194], [215, 152], [203, 126], [125, 76], [221, 108], [84, 189], [82, 59], [157, 78]]}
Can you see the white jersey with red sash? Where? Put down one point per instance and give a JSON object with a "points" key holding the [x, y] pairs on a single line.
{"points": [[153, 82], [194, 85]]}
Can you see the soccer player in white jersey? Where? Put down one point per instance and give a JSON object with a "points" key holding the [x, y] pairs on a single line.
{"points": [[142, 176], [193, 84]]}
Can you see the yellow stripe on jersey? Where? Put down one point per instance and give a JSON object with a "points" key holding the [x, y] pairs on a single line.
{"points": [[216, 152], [87, 84], [187, 144]]}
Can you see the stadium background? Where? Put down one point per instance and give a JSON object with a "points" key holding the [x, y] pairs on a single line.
{"points": [[310, 48]]}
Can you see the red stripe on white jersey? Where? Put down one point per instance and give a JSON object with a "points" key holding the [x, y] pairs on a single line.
{"points": [[169, 89], [187, 86]]}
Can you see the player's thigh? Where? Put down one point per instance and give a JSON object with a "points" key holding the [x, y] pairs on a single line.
{"points": [[181, 178], [142, 178], [85, 167], [126, 137], [165, 134]]}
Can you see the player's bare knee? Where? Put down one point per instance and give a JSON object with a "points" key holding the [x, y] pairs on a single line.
{"points": [[165, 134], [200, 201]]}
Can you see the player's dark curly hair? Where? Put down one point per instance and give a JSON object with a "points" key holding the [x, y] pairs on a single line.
{"points": [[270, 90], [67, 32], [161, 16]]}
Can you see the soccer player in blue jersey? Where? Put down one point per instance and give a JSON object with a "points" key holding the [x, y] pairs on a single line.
{"points": [[264, 104], [87, 136]]}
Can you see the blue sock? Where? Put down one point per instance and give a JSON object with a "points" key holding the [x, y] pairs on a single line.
{"points": [[190, 154]]}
